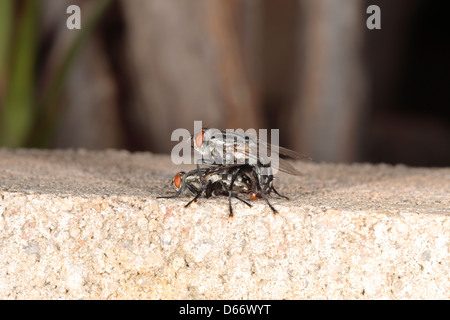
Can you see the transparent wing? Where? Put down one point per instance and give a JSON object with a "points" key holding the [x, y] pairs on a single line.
{"points": [[233, 148], [243, 151]]}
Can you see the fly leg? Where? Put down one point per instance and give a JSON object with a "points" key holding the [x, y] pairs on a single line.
{"points": [[237, 197], [193, 199], [268, 203], [230, 192], [278, 194], [199, 193], [219, 188], [230, 208], [171, 197], [229, 197]]}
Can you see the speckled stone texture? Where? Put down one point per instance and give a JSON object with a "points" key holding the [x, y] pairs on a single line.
{"points": [[87, 225]]}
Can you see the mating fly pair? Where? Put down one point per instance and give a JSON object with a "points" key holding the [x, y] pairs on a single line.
{"points": [[236, 167]]}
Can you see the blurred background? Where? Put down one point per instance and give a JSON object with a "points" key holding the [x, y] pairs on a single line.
{"points": [[139, 69]]}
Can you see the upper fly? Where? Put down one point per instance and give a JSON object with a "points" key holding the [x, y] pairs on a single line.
{"points": [[219, 147]]}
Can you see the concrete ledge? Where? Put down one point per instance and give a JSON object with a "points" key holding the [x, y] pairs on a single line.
{"points": [[77, 224]]}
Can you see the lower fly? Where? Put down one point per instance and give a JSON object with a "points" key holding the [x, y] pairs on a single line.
{"points": [[207, 181], [225, 181]]}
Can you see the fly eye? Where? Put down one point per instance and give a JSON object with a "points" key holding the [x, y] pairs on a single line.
{"points": [[177, 181], [199, 138]]}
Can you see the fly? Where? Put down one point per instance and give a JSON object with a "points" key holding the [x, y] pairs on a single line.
{"points": [[225, 181], [239, 148], [208, 181]]}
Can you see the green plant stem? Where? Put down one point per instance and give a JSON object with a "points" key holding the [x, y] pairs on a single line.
{"points": [[17, 111], [6, 14]]}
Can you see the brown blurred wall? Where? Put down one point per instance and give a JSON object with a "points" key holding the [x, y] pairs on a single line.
{"points": [[301, 66]]}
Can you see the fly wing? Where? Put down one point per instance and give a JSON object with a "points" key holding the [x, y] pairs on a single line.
{"points": [[234, 148], [284, 151], [288, 168], [253, 141], [292, 154], [245, 153]]}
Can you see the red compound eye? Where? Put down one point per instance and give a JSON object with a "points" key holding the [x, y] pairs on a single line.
{"points": [[199, 138], [177, 181]]}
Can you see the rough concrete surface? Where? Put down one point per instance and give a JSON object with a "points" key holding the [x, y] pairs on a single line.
{"points": [[87, 225]]}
